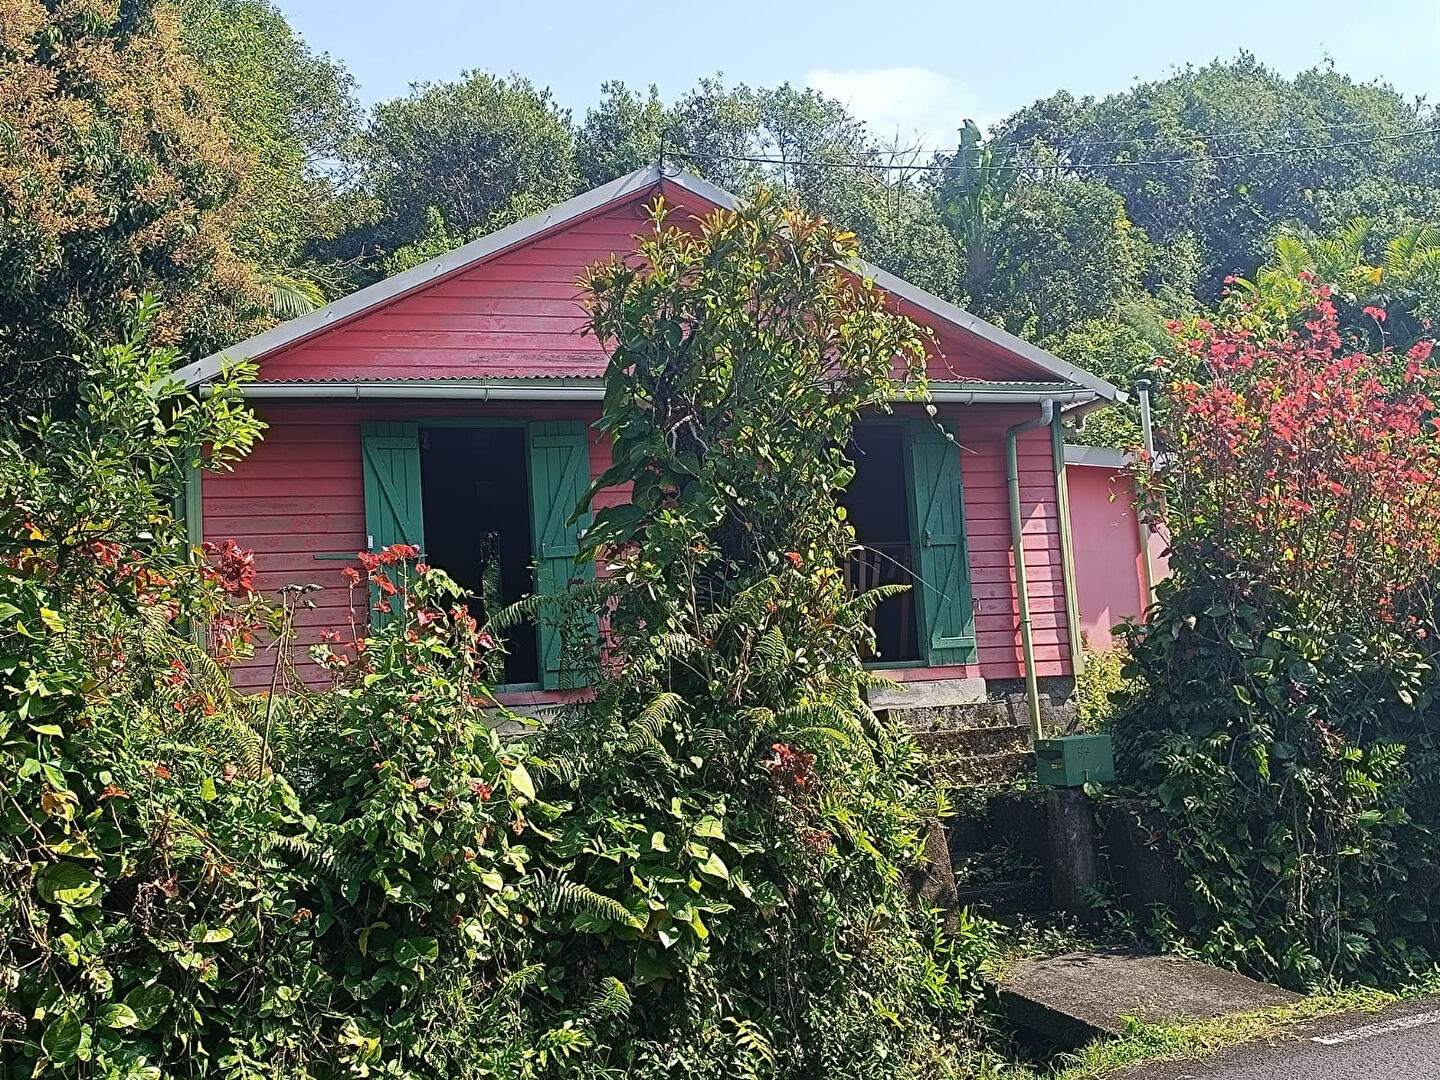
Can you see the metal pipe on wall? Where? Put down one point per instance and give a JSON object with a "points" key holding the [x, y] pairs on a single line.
{"points": [[1017, 542], [1067, 548]]}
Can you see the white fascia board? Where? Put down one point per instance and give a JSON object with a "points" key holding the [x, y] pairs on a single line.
{"points": [[1099, 456]]}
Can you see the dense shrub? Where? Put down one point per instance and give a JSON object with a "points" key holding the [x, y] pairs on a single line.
{"points": [[1102, 689], [1289, 683], [743, 826], [705, 869]]}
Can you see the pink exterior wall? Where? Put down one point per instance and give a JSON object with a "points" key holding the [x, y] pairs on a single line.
{"points": [[1109, 575], [518, 314], [300, 493]]}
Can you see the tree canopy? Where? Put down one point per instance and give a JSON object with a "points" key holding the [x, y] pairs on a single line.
{"points": [[117, 177], [1080, 223]]}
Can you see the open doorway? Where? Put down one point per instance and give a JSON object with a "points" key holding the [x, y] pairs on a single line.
{"points": [[477, 524], [877, 505]]}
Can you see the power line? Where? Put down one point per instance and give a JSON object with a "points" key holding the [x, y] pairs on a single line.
{"points": [[1062, 166]]}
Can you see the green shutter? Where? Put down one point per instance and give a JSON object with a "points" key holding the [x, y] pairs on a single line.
{"points": [[942, 557], [559, 477], [394, 513]]}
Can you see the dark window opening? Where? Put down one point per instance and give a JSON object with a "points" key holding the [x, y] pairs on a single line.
{"points": [[477, 517], [877, 505]]}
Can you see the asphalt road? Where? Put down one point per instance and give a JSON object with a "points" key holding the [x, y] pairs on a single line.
{"points": [[1401, 1043]]}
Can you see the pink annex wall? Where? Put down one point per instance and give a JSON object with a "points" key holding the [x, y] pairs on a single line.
{"points": [[1109, 576]]}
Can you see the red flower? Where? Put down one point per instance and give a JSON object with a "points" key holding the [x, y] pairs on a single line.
{"points": [[481, 790], [235, 569], [162, 772], [792, 768], [331, 636], [425, 616], [351, 575], [1378, 314], [113, 792], [795, 559], [422, 568], [383, 606]]}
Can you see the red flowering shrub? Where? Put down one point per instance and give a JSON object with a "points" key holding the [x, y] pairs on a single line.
{"points": [[1287, 685], [1316, 469], [233, 567]]}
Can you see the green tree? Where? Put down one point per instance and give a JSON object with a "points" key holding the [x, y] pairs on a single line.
{"points": [[117, 177], [621, 133], [1226, 136], [483, 151], [1060, 253], [1387, 291], [294, 113]]}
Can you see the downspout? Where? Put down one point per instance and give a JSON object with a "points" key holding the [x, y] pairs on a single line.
{"points": [[1017, 543], [1147, 431], [1067, 548]]}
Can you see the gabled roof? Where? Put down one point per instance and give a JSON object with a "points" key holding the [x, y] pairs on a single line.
{"points": [[627, 187]]}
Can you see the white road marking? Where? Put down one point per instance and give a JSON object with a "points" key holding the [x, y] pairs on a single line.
{"points": [[1371, 1031]]}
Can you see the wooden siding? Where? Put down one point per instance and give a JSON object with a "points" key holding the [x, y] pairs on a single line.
{"points": [[519, 315], [300, 493]]}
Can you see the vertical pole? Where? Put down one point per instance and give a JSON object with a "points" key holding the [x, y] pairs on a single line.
{"points": [[1017, 543], [1067, 546], [1147, 434]]}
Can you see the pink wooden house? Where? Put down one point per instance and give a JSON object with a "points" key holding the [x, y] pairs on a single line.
{"points": [[454, 402]]}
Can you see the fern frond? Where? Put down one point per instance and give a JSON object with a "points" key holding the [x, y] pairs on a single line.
{"points": [[573, 898]]}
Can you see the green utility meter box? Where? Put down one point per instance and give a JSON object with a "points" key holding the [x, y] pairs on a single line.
{"points": [[1075, 760]]}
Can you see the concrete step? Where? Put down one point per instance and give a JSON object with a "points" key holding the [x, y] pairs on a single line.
{"points": [[974, 769], [980, 714], [974, 742], [1072, 999]]}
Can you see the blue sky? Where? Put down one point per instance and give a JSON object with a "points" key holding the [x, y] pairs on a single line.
{"points": [[908, 67]]}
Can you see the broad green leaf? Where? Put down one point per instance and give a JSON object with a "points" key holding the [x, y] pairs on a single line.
{"points": [[66, 883], [61, 1040], [149, 1004], [410, 952], [118, 1015], [521, 782], [710, 826]]}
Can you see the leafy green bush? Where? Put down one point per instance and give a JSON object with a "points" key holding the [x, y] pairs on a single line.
{"points": [[743, 829], [1289, 686], [704, 869], [1102, 689]]}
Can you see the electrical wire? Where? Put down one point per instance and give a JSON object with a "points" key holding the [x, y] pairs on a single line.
{"points": [[875, 166]]}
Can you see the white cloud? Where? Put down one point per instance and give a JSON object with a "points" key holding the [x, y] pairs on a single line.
{"points": [[910, 104]]}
